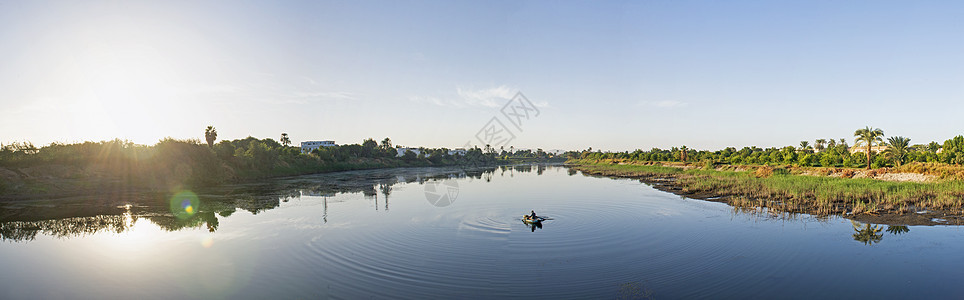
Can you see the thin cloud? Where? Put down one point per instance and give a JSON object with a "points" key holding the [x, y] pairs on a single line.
{"points": [[324, 95], [664, 104], [265, 91], [466, 97], [491, 97], [429, 100]]}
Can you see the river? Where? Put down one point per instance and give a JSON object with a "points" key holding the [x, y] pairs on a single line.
{"points": [[426, 233]]}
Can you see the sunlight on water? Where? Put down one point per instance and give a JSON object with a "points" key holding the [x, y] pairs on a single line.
{"points": [[378, 234]]}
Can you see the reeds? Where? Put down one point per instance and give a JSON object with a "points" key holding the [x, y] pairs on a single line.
{"points": [[777, 189]]}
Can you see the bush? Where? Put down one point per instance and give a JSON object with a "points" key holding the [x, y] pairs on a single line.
{"points": [[762, 172]]}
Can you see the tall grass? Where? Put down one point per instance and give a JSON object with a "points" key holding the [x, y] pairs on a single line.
{"points": [[796, 193]]}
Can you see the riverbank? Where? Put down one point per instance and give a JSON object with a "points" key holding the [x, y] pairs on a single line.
{"points": [[931, 202], [65, 180], [119, 167]]}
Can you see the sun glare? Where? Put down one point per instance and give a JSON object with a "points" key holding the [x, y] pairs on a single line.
{"points": [[118, 78]]}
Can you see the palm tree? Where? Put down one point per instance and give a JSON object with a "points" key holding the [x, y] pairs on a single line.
{"points": [[898, 148], [682, 153], [210, 134], [804, 145], [831, 143], [818, 144], [868, 136], [285, 140]]}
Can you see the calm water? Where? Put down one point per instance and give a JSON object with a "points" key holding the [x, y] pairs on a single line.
{"points": [[446, 233]]}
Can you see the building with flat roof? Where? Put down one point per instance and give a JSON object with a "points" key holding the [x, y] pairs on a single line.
{"points": [[308, 146], [862, 149]]}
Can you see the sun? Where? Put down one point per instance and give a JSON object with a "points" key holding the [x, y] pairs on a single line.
{"points": [[126, 91]]}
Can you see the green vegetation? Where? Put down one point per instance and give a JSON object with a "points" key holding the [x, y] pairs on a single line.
{"points": [[868, 136], [897, 149], [211, 135], [821, 153], [779, 189], [62, 169]]}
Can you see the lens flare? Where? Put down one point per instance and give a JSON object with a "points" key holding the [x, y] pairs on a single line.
{"points": [[184, 204]]}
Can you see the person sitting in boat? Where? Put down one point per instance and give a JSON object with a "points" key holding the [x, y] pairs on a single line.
{"points": [[533, 216]]}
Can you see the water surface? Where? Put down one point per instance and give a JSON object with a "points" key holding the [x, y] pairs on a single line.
{"points": [[448, 232]]}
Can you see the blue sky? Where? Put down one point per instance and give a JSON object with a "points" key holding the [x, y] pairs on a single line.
{"points": [[607, 75]]}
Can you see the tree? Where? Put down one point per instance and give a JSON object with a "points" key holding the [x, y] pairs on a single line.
{"points": [[387, 143], [868, 136], [897, 149], [682, 153], [211, 135], [368, 147], [285, 140], [953, 150], [818, 144], [804, 146], [369, 143]]}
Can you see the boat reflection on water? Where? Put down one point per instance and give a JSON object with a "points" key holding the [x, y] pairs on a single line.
{"points": [[532, 225]]}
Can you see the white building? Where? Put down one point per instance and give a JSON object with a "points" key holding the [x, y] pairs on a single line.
{"points": [[307, 147], [402, 150]]}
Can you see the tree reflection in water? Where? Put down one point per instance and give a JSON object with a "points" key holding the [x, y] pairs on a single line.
{"points": [[867, 233], [63, 218], [897, 230]]}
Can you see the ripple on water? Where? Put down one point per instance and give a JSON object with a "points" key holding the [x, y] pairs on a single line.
{"points": [[486, 227], [588, 246], [410, 259]]}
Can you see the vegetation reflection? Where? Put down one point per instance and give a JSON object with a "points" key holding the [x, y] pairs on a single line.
{"points": [[867, 233], [202, 210]]}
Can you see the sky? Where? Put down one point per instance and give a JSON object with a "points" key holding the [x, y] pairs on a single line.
{"points": [[611, 75]]}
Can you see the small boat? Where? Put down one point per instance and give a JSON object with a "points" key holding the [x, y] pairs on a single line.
{"points": [[531, 220]]}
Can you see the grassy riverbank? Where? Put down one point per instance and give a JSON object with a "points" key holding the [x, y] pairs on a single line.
{"points": [[778, 190], [117, 167]]}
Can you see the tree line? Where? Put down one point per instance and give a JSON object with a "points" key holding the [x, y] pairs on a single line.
{"points": [[192, 162], [822, 153]]}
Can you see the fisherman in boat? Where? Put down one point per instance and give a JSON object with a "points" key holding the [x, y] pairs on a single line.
{"points": [[533, 216]]}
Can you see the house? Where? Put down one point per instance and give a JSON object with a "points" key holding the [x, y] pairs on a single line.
{"points": [[308, 146], [861, 149], [401, 151]]}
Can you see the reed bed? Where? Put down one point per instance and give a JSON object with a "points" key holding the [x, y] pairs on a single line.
{"points": [[777, 189]]}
